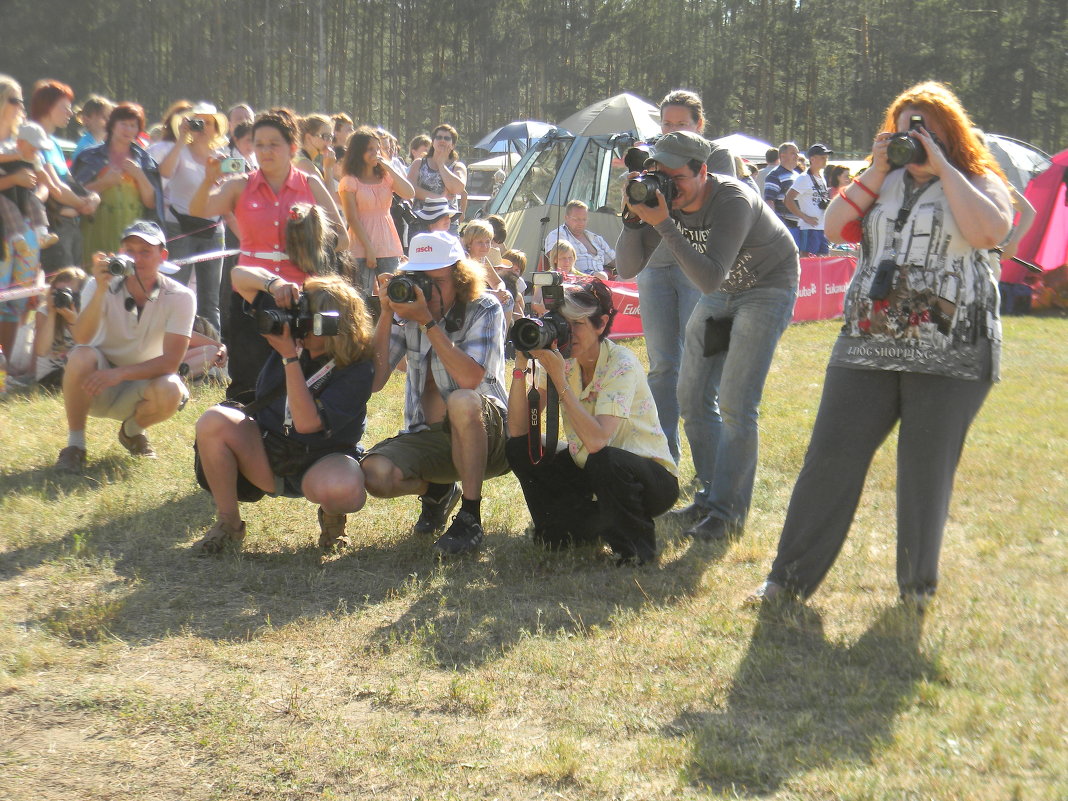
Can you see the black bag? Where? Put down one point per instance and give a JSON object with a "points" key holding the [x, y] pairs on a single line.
{"points": [[197, 227], [404, 209], [717, 335]]}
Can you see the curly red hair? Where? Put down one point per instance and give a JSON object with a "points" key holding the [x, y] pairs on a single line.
{"points": [[964, 147]]}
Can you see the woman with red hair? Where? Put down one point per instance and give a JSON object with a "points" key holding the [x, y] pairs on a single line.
{"points": [[920, 346], [125, 177]]}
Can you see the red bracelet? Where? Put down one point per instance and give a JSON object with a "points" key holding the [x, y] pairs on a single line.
{"points": [[856, 208], [517, 373], [866, 188]]}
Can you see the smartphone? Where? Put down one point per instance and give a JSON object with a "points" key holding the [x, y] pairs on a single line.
{"points": [[232, 165]]}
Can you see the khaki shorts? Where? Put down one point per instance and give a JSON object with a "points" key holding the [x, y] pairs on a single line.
{"points": [[118, 402], [427, 454]]}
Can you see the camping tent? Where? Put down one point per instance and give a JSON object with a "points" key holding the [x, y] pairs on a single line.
{"points": [[1020, 161], [748, 147], [1046, 243], [580, 162]]}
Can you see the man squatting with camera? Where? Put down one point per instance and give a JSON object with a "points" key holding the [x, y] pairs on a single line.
{"points": [[730, 244], [452, 331], [131, 335]]}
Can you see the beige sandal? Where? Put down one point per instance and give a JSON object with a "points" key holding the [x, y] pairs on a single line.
{"points": [[218, 538], [332, 531]]}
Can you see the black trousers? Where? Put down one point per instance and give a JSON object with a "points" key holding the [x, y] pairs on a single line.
{"points": [[613, 498], [248, 351]]}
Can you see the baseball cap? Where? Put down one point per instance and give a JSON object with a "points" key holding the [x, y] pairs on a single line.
{"points": [[435, 207], [819, 149], [675, 149], [146, 230], [34, 134], [432, 251]]}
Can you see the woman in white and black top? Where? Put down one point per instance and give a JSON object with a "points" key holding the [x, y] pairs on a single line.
{"points": [[807, 198], [440, 173]]}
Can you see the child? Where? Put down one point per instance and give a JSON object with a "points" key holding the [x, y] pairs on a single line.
{"points": [[31, 139]]}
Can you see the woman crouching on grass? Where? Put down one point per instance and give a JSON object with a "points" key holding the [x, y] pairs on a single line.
{"points": [[300, 437], [617, 473]]}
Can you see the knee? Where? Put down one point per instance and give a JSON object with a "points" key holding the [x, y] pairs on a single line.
{"points": [[464, 408], [81, 360], [165, 393], [342, 492], [212, 426], [380, 476]]}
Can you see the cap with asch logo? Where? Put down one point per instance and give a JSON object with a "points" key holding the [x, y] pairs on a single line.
{"points": [[432, 251]]}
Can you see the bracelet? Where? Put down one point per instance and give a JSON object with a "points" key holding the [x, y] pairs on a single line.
{"points": [[429, 325], [271, 283], [856, 208], [288, 360], [866, 188], [517, 373]]}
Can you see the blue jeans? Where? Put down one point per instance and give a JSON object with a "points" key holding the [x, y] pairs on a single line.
{"points": [[719, 396], [667, 299], [209, 273], [814, 242], [368, 278]]}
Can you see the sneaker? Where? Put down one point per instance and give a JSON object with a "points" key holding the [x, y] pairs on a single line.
{"points": [[332, 531], [768, 592], [687, 515], [710, 529], [71, 460], [219, 538], [137, 445], [464, 536], [436, 512]]}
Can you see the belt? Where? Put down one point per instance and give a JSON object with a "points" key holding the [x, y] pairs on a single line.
{"points": [[273, 255]]}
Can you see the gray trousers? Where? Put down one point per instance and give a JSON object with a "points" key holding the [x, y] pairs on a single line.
{"points": [[858, 410]]}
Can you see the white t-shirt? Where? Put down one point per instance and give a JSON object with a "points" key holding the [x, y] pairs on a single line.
{"points": [[809, 191], [123, 337], [188, 175]]}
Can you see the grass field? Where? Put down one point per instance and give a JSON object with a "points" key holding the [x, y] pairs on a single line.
{"points": [[131, 670]]}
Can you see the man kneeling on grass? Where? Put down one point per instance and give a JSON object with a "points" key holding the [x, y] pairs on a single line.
{"points": [[131, 336], [300, 436], [452, 332]]}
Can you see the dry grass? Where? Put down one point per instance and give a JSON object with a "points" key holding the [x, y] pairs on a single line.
{"points": [[129, 669]]}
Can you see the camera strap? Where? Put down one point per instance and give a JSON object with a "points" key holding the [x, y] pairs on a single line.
{"points": [[912, 194], [314, 383], [535, 449]]}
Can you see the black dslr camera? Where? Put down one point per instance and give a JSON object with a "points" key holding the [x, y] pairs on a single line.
{"points": [[401, 287], [539, 333], [66, 299], [643, 188], [902, 148], [121, 265], [196, 124], [302, 320]]}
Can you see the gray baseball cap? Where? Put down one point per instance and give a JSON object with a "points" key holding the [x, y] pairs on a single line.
{"points": [[675, 149]]}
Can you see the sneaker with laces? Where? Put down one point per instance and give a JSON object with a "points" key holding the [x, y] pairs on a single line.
{"points": [[332, 531], [436, 512], [219, 538], [464, 536], [137, 445], [71, 460]]}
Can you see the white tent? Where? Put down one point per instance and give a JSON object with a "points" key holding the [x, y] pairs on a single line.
{"points": [[748, 147]]}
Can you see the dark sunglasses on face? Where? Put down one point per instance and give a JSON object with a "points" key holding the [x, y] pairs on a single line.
{"points": [[17, 101]]}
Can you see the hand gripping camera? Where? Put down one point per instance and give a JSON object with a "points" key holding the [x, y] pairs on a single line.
{"points": [[302, 320], [401, 287], [121, 265], [539, 333], [642, 190], [903, 148]]}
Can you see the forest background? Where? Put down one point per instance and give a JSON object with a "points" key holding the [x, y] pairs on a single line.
{"points": [[778, 69]]}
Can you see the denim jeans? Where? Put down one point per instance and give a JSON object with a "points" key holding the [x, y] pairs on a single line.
{"points": [[667, 300], [367, 277], [719, 396], [813, 241], [209, 273]]}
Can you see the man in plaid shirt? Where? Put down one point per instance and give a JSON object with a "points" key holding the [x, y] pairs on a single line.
{"points": [[455, 399]]}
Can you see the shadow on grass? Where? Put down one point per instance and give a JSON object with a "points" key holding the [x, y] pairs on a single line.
{"points": [[54, 485], [799, 702], [458, 613]]}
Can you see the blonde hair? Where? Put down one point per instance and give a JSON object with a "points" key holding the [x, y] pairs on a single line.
{"points": [[307, 232], [561, 246], [469, 278], [354, 337], [473, 230]]}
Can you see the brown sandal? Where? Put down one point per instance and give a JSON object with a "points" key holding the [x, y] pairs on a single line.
{"points": [[332, 531], [219, 538]]}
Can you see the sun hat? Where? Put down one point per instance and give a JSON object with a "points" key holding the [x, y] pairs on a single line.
{"points": [[432, 251], [201, 109], [435, 207]]}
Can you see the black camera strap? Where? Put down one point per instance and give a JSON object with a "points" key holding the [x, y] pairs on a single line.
{"points": [[535, 449], [912, 195]]}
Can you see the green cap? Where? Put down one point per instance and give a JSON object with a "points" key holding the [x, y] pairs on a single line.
{"points": [[675, 149]]}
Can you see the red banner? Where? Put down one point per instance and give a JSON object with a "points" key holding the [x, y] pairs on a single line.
{"points": [[820, 294]]}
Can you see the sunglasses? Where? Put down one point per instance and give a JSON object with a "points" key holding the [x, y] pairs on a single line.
{"points": [[442, 138], [17, 101]]}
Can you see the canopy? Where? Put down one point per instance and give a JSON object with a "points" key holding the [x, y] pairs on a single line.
{"points": [[1046, 243], [515, 136], [624, 112], [748, 147], [1020, 161]]}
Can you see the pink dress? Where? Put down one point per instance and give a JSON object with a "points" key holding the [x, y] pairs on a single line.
{"points": [[372, 207]]}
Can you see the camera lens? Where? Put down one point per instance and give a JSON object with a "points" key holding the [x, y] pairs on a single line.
{"points": [[401, 289], [121, 265], [196, 124]]}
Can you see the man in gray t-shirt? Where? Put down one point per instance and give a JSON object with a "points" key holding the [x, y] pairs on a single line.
{"points": [[734, 248]]}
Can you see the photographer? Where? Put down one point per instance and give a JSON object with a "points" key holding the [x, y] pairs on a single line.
{"points": [[735, 250], [52, 338], [131, 335], [439, 315], [920, 345], [807, 199], [299, 437], [617, 473]]}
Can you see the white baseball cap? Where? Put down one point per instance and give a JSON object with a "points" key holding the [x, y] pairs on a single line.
{"points": [[432, 251]]}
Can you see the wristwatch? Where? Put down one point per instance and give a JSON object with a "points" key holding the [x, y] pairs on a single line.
{"points": [[427, 326], [288, 360]]}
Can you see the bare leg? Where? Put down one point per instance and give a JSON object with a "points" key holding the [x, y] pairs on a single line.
{"points": [[162, 399], [385, 480], [81, 363], [228, 443], [336, 483], [470, 443]]}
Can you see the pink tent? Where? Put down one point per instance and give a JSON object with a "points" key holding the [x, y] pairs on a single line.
{"points": [[1046, 244]]}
